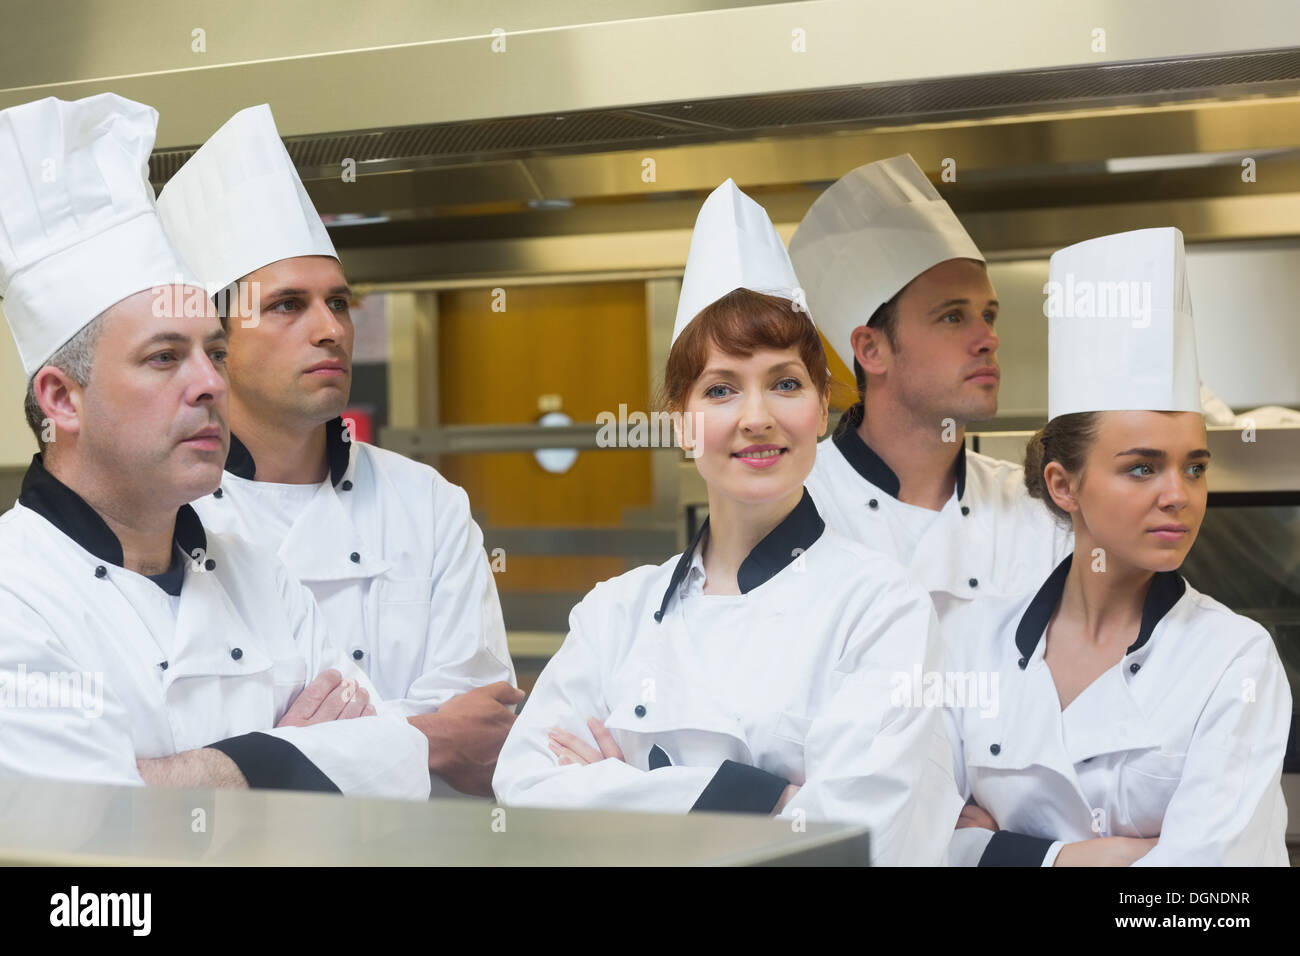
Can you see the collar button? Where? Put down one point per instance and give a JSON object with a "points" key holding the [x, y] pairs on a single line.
{"points": [[974, 582], [995, 749], [965, 510], [101, 572], [356, 558], [1134, 667], [873, 503], [218, 493], [236, 653], [346, 486], [1023, 662]]}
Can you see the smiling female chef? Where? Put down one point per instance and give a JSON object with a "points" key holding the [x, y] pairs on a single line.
{"points": [[754, 671], [1138, 721]]}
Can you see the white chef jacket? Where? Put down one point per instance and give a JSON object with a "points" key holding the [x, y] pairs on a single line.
{"points": [[155, 677], [718, 702], [989, 539], [1182, 739], [395, 561]]}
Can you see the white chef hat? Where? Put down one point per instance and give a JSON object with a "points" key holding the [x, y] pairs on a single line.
{"points": [[1120, 333], [866, 237], [78, 229], [734, 246], [238, 204]]}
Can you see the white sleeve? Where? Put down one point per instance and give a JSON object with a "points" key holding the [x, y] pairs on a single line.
{"points": [[875, 754], [466, 642], [569, 691], [83, 736], [379, 756], [1228, 808]]}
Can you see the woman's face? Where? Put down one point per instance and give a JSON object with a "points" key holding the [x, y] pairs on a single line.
{"points": [[1141, 497], [753, 423]]}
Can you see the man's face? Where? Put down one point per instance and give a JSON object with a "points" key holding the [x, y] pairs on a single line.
{"points": [[946, 363], [151, 422], [292, 359]]}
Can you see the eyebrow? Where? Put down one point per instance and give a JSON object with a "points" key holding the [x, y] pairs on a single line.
{"points": [[176, 338], [732, 373], [1157, 453], [337, 290], [951, 302]]}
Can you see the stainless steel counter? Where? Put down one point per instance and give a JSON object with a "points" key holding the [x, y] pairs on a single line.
{"points": [[51, 823]]}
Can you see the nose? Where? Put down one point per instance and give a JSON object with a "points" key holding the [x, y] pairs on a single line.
{"points": [[755, 415], [1173, 491], [209, 384], [327, 324], [986, 339]]}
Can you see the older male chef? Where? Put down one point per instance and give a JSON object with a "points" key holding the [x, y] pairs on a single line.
{"points": [[386, 544], [179, 655], [902, 294]]}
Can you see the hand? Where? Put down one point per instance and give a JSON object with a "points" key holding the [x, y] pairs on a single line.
{"points": [[1105, 851], [328, 697], [787, 795], [973, 815], [466, 733], [572, 749]]}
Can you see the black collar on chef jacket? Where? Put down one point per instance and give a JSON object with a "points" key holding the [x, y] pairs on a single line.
{"points": [[872, 467], [68, 511], [239, 460], [1166, 588], [796, 533]]}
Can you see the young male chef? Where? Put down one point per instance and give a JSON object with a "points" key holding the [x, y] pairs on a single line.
{"points": [[386, 544], [136, 646], [902, 295]]}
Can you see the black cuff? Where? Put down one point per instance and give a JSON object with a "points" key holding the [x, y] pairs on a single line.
{"points": [[1015, 849], [269, 763], [740, 788]]}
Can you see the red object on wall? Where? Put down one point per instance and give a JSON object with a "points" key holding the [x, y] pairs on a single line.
{"points": [[361, 423]]}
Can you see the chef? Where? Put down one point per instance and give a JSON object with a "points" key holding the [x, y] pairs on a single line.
{"points": [[754, 672], [386, 544], [1138, 721], [904, 299], [136, 646]]}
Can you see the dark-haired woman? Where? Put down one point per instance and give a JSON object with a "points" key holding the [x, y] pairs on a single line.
{"points": [[759, 670], [1138, 721]]}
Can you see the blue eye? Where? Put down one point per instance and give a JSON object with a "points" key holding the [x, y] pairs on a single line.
{"points": [[343, 305], [1199, 468], [713, 391], [218, 356], [794, 384], [1149, 470], [293, 303], [951, 315]]}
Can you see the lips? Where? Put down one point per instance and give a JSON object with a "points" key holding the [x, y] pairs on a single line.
{"points": [[985, 374], [1170, 532], [759, 456], [327, 368], [206, 438]]}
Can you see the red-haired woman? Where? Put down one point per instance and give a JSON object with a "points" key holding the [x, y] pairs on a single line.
{"points": [[761, 669]]}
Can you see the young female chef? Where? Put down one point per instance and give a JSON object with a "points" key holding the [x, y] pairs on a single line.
{"points": [[754, 672], [1138, 721]]}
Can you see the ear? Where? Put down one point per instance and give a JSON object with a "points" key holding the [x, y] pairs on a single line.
{"points": [[1057, 480], [61, 400], [871, 349], [825, 415]]}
